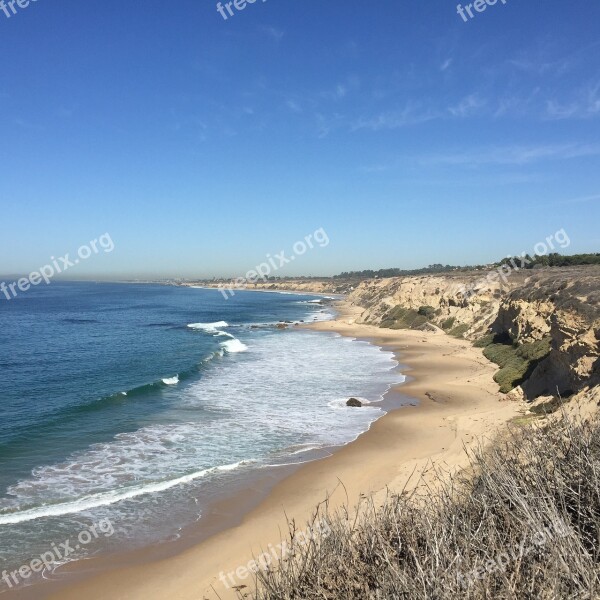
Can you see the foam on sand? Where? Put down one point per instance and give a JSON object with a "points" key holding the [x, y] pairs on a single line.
{"points": [[107, 498]]}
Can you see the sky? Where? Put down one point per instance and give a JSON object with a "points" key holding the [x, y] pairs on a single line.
{"points": [[201, 144]]}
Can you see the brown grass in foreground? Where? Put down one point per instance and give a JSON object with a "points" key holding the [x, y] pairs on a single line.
{"points": [[525, 524]]}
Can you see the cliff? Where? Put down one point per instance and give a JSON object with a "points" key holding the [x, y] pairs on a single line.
{"points": [[541, 327]]}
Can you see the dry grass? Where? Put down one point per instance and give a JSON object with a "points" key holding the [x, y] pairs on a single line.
{"points": [[531, 504]]}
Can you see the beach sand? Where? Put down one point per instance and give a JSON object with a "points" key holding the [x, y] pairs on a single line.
{"points": [[458, 405]]}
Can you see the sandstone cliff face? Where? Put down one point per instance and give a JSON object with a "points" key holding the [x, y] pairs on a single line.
{"points": [[561, 305], [442, 293]]}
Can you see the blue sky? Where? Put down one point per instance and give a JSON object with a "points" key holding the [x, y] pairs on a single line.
{"points": [[200, 145]]}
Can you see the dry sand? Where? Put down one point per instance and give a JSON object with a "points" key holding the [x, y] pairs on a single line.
{"points": [[458, 404]]}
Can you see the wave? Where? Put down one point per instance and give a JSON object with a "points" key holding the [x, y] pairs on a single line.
{"points": [[108, 498], [209, 327], [225, 334], [231, 346], [234, 345], [171, 380]]}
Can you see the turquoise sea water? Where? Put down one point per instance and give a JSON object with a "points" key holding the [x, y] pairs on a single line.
{"points": [[134, 402]]}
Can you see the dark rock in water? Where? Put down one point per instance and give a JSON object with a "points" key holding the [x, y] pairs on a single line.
{"points": [[281, 326], [354, 402]]}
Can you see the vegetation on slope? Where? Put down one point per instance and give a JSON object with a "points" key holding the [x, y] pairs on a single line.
{"points": [[516, 362], [404, 318]]}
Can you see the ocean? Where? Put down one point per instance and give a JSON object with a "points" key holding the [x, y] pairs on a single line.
{"points": [[135, 403]]}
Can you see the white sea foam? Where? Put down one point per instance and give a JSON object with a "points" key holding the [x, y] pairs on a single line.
{"points": [[341, 404], [225, 334], [171, 380], [209, 327], [108, 498], [286, 396], [234, 345]]}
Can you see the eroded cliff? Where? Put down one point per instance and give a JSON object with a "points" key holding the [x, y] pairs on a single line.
{"points": [[541, 327]]}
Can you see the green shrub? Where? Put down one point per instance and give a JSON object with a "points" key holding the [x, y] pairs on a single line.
{"points": [[536, 350], [500, 354], [459, 330], [516, 362], [403, 318], [427, 311], [485, 341], [447, 324]]}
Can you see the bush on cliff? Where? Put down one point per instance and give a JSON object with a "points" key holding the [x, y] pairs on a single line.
{"points": [[427, 311], [447, 324], [516, 362], [403, 318], [459, 331]]}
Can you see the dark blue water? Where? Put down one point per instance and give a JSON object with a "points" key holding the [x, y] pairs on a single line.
{"points": [[132, 402], [69, 349]]}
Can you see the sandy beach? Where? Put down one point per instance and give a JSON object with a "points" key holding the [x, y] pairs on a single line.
{"points": [[458, 404]]}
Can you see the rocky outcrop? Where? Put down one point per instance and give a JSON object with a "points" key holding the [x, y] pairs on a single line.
{"points": [[354, 403], [573, 361]]}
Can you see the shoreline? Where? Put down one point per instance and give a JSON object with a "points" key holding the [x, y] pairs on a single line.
{"points": [[459, 403]]}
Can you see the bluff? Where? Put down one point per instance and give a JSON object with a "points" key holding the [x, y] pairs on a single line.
{"points": [[541, 327]]}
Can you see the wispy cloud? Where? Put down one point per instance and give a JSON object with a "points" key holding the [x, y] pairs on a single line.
{"points": [[446, 64], [518, 104], [342, 89], [467, 106], [541, 67], [327, 124], [586, 105], [513, 155], [273, 32], [409, 115], [293, 106]]}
